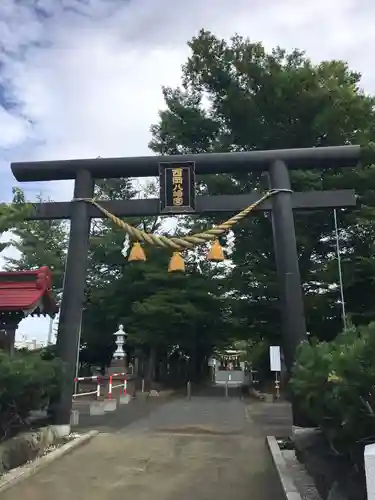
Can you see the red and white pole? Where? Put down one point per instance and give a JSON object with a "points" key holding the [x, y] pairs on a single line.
{"points": [[125, 385], [110, 387], [98, 387]]}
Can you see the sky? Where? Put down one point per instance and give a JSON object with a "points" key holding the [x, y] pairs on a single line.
{"points": [[83, 78]]}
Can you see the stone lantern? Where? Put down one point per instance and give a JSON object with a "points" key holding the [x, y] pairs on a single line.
{"points": [[118, 363]]}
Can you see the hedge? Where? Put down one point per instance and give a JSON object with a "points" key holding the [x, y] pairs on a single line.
{"points": [[335, 384], [27, 382]]}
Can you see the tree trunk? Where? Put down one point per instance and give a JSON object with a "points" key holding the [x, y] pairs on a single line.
{"points": [[150, 371]]}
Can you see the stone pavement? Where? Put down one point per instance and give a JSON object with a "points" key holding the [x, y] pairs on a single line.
{"points": [[273, 419], [206, 448], [122, 417]]}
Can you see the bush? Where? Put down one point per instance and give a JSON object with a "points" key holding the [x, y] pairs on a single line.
{"points": [[27, 382], [334, 383]]}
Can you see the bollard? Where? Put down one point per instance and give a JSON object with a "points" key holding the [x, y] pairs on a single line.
{"points": [[143, 385], [74, 417], [110, 387], [254, 381], [226, 389], [277, 388], [369, 469], [188, 390], [98, 388], [125, 398]]}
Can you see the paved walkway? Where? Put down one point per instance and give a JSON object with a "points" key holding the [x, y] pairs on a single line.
{"points": [[203, 449], [274, 419]]}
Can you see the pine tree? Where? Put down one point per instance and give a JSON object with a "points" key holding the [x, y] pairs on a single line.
{"points": [[40, 243], [237, 96], [12, 215]]}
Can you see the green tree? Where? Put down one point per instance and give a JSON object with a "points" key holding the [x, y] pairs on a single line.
{"points": [[40, 243], [105, 269], [185, 310], [334, 382], [162, 312], [159, 310], [236, 96], [11, 214]]}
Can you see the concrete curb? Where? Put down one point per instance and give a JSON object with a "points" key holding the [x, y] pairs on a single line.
{"points": [[16, 476], [287, 483]]}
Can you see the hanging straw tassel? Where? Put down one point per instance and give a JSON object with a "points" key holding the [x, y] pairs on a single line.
{"points": [[216, 253], [176, 263], [137, 253]]}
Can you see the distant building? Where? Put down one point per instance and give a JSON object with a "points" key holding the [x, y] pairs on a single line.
{"points": [[31, 345]]}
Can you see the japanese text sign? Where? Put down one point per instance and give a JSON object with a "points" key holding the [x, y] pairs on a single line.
{"points": [[177, 187]]}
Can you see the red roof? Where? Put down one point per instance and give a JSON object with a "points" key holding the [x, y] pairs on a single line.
{"points": [[28, 291]]}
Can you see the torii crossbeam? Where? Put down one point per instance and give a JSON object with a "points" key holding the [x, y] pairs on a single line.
{"points": [[276, 162]]}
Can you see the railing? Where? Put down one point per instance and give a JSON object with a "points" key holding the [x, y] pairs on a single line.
{"points": [[97, 390], [82, 379], [111, 386]]}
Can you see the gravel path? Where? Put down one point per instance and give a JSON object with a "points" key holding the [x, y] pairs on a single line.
{"points": [[203, 449]]}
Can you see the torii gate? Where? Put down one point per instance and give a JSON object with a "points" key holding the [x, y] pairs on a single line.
{"points": [[282, 204]]}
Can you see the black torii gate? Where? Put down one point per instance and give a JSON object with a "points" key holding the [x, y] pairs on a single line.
{"points": [[276, 162]]}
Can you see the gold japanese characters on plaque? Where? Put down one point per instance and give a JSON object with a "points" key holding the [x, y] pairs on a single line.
{"points": [[177, 187]]}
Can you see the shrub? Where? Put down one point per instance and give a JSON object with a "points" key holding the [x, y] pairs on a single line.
{"points": [[335, 385], [27, 382]]}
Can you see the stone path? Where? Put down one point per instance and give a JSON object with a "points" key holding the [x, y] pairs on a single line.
{"points": [[206, 448], [273, 419]]}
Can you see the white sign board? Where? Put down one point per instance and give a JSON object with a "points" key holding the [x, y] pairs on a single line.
{"points": [[275, 358]]}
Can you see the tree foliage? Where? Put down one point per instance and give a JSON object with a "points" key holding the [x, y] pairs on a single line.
{"points": [[334, 381], [12, 214], [159, 310], [236, 96], [39, 243], [28, 382]]}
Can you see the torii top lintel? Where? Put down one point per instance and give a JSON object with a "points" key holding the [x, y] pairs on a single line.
{"points": [[205, 163]]}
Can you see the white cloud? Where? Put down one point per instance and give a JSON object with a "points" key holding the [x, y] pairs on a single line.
{"points": [[95, 88], [85, 76], [13, 129]]}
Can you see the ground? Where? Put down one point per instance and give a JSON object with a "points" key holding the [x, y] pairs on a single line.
{"points": [[205, 448]]}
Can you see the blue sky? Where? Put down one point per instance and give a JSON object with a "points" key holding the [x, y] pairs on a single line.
{"points": [[82, 78]]}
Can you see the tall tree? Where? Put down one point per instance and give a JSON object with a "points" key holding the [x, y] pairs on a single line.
{"points": [[12, 214], [45, 243], [40, 243], [163, 313], [236, 96], [159, 310]]}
